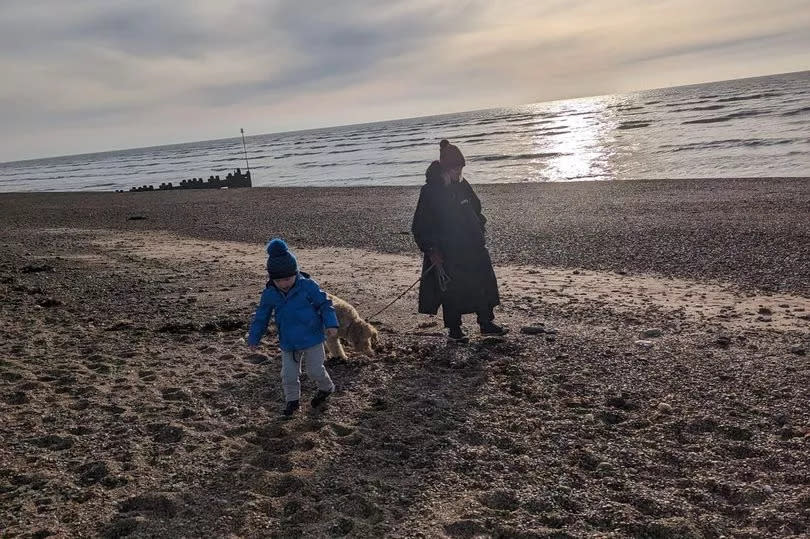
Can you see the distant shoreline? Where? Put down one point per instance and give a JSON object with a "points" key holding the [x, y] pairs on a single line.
{"points": [[472, 181]]}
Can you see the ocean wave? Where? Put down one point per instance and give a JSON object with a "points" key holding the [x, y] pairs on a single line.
{"points": [[286, 155], [518, 157], [548, 130], [575, 113], [794, 112], [35, 179], [318, 165], [728, 117], [108, 184], [411, 145], [633, 125], [748, 97], [345, 151], [726, 143], [707, 107], [484, 122], [517, 117], [683, 103], [555, 133], [537, 122], [386, 163], [413, 139], [486, 134]]}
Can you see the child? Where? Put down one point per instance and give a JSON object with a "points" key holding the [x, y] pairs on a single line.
{"points": [[302, 311]]}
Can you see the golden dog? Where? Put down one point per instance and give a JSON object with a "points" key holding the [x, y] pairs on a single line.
{"points": [[353, 329]]}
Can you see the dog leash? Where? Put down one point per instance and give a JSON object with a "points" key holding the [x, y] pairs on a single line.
{"points": [[441, 275]]}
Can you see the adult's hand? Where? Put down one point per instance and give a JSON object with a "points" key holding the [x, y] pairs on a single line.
{"points": [[436, 258]]}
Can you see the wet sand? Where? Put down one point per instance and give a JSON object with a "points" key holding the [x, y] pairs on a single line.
{"points": [[663, 392]]}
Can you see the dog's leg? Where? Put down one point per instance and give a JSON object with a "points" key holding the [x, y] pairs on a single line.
{"points": [[335, 348]]}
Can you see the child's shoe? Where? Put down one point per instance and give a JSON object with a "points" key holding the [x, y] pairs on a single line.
{"points": [[290, 408], [320, 398]]}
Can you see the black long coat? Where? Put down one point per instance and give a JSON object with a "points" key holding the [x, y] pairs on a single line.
{"points": [[449, 218]]}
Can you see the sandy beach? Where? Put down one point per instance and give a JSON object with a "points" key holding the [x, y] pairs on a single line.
{"points": [[662, 391]]}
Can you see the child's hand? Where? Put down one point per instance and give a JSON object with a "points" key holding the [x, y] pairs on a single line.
{"points": [[331, 332]]}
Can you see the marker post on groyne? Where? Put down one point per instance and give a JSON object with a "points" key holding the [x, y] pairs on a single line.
{"points": [[244, 147]]}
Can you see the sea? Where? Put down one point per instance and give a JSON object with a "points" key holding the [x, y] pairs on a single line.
{"points": [[755, 127]]}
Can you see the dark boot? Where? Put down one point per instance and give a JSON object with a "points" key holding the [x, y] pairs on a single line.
{"points": [[320, 397], [290, 408], [491, 329], [456, 334]]}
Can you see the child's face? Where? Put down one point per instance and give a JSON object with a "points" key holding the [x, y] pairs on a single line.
{"points": [[284, 284]]}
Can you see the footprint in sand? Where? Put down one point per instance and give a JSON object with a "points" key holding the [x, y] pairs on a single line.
{"points": [[341, 430], [15, 398], [257, 359], [144, 507], [296, 512], [163, 433], [305, 444], [276, 445], [92, 473], [282, 485], [500, 500], [154, 505], [272, 462], [122, 527], [176, 394], [360, 507], [53, 442], [466, 529]]}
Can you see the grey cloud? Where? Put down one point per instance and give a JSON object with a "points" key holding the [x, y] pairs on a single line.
{"points": [[798, 38], [336, 44]]}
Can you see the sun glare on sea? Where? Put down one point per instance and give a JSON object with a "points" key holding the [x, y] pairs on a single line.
{"points": [[577, 141]]}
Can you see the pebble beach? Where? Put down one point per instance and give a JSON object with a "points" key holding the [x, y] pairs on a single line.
{"points": [[654, 383]]}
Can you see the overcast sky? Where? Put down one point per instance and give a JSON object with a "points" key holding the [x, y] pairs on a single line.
{"points": [[94, 75]]}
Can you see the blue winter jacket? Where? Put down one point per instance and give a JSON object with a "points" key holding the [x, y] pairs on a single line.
{"points": [[301, 314]]}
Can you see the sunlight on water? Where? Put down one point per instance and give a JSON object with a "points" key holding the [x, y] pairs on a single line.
{"points": [[580, 144]]}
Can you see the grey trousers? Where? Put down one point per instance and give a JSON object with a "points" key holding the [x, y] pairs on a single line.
{"points": [[314, 357]]}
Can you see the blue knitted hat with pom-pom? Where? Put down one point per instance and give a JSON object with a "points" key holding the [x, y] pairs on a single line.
{"points": [[281, 262]]}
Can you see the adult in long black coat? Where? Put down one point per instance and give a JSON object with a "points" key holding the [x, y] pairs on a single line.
{"points": [[448, 227]]}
